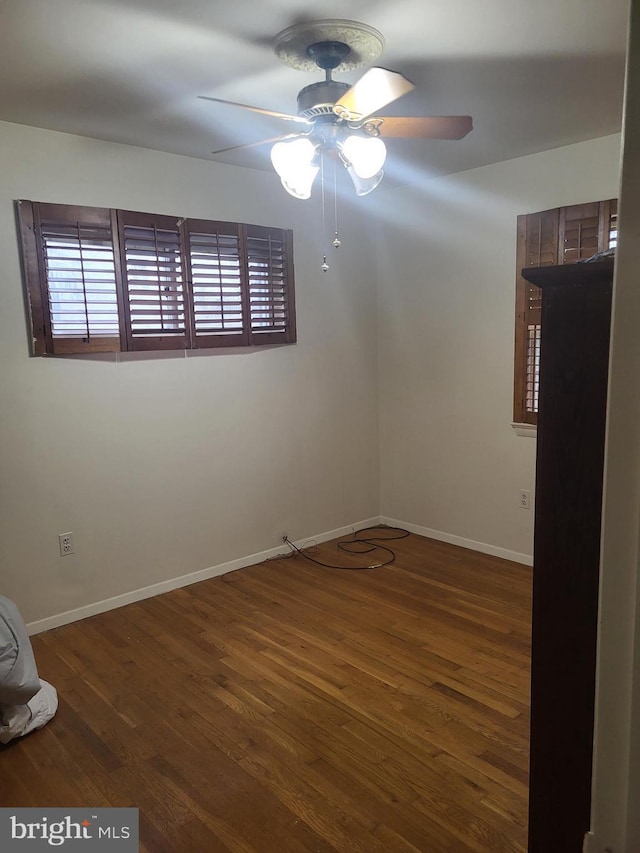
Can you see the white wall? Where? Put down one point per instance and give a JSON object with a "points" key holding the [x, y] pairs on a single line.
{"points": [[616, 783], [162, 467], [450, 460]]}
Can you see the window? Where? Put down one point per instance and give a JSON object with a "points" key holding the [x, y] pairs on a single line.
{"points": [[102, 280], [560, 236]]}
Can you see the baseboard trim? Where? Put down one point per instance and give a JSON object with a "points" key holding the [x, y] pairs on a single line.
{"points": [[131, 597], [96, 607], [482, 547]]}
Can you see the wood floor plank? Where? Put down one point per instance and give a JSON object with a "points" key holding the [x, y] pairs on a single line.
{"points": [[291, 707]]}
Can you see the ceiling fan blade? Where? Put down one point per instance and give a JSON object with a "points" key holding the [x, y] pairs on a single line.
{"points": [[259, 142], [272, 113], [374, 90], [423, 127]]}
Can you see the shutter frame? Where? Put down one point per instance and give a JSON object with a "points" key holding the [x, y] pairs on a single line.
{"points": [[537, 241], [35, 289], [137, 341], [520, 344], [32, 215], [216, 339], [580, 216], [287, 335]]}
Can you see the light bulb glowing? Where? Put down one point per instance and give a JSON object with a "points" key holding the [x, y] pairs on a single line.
{"points": [[293, 161], [366, 154]]}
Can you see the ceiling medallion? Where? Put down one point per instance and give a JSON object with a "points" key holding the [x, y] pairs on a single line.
{"points": [[292, 46]]}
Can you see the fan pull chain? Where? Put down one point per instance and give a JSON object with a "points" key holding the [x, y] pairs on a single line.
{"points": [[336, 239], [325, 265]]}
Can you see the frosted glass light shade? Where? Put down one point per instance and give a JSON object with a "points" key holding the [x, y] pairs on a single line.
{"points": [[366, 154], [363, 186], [293, 163], [300, 184]]}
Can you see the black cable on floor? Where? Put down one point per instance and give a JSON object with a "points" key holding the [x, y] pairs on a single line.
{"points": [[360, 544]]}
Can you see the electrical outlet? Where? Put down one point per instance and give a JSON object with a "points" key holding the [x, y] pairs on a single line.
{"points": [[524, 499], [65, 540], [284, 537]]}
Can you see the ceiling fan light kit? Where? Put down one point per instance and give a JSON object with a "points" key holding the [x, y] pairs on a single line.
{"points": [[340, 120]]}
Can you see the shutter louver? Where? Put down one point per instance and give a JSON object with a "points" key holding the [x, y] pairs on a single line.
{"points": [[270, 285], [153, 274], [216, 275]]}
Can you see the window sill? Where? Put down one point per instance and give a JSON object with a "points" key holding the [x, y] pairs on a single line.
{"points": [[525, 430]]}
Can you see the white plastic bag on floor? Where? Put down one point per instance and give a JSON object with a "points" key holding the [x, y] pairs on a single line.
{"points": [[26, 701], [18, 720], [18, 672]]}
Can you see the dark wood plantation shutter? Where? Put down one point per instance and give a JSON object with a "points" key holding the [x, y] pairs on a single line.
{"points": [[270, 285], [70, 258], [100, 280], [217, 283], [153, 271], [564, 235], [537, 246]]}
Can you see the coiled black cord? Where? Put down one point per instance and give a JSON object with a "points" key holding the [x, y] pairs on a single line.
{"points": [[360, 544]]}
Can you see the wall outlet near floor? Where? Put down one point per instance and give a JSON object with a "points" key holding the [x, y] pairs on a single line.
{"points": [[65, 540], [524, 499]]}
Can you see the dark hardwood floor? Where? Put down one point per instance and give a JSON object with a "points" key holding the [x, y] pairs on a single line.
{"points": [[288, 707]]}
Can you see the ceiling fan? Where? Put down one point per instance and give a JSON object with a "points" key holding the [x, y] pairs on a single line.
{"points": [[339, 118]]}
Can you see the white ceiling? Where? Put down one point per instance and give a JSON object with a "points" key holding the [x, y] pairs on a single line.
{"points": [[534, 74]]}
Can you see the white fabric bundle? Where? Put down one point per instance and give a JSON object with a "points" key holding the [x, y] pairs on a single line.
{"points": [[26, 701]]}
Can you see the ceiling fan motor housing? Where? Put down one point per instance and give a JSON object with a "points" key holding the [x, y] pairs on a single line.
{"points": [[318, 98], [328, 54]]}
